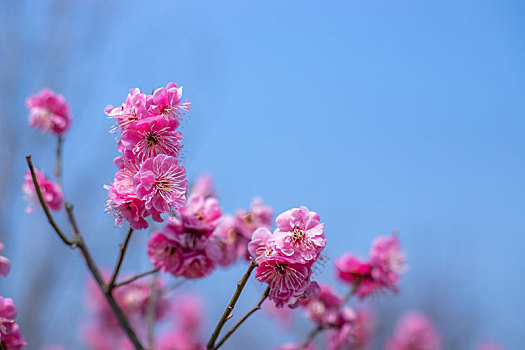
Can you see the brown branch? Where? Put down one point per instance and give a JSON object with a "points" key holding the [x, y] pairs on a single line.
{"points": [[79, 243], [248, 314], [231, 305], [58, 167], [44, 205], [123, 249], [134, 278]]}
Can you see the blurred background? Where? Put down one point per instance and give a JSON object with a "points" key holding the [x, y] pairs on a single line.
{"points": [[379, 115]]}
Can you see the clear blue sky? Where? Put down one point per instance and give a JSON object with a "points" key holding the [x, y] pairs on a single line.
{"points": [[379, 115]]}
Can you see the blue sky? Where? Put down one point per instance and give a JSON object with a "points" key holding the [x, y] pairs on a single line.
{"points": [[379, 115]]}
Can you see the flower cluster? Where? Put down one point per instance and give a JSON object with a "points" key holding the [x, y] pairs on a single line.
{"points": [[150, 181], [384, 268], [49, 112], [10, 336], [353, 331], [414, 331], [285, 258], [51, 192]]}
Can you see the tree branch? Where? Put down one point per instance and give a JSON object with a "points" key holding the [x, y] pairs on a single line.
{"points": [[58, 167], [123, 249], [44, 205], [134, 278], [248, 314], [150, 313], [79, 243], [231, 305]]}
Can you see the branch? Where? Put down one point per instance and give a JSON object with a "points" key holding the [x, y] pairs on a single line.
{"points": [[123, 248], [58, 167], [79, 243], [231, 305], [44, 206], [134, 278], [248, 314]]}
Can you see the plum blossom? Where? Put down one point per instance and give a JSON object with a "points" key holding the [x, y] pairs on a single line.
{"points": [[51, 192], [353, 332], [323, 309], [131, 111], [50, 112], [165, 253], [10, 336], [352, 270], [414, 331], [288, 279], [387, 260], [299, 234], [149, 137], [167, 101], [293, 346], [161, 183], [5, 265]]}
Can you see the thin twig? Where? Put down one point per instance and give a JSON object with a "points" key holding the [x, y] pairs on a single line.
{"points": [[134, 278], [123, 248], [231, 305], [44, 205], [248, 314], [58, 167], [79, 243], [150, 313]]}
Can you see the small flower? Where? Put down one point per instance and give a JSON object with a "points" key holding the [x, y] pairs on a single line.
{"points": [[414, 331], [261, 244], [288, 279], [5, 265], [353, 332], [323, 309], [49, 111], [352, 270], [299, 235], [133, 110], [165, 253], [150, 137], [51, 192], [387, 261], [167, 101], [161, 183], [10, 335]]}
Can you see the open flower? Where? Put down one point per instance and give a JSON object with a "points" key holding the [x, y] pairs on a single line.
{"points": [[299, 235], [131, 111], [167, 101], [387, 260], [49, 111], [414, 331]]}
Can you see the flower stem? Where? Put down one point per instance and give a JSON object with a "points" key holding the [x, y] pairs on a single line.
{"points": [[248, 314], [231, 305], [58, 167]]}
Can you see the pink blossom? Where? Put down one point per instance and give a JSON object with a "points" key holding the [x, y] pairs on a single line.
{"points": [[150, 137], [414, 331], [203, 186], [259, 215], [131, 111], [10, 335], [324, 308], [261, 245], [167, 101], [161, 183], [51, 192], [165, 253], [352, 270], [489, 346], [198, 264], [299, 235], [288, 279], [49, 111], [200, 214], [354, 331], [230, 242], [179, 340], [5, 265], [387, 261]]}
